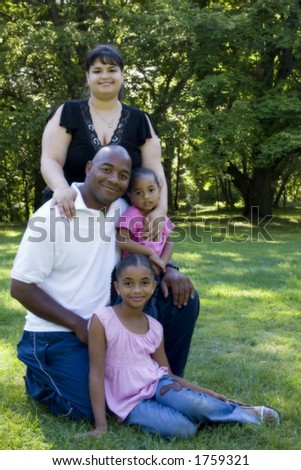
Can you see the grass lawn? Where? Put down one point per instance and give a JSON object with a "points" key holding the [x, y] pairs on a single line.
{"points": [[246, 343]]}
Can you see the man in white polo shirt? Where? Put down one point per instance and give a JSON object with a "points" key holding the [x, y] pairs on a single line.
{"points": [[62, 274]]}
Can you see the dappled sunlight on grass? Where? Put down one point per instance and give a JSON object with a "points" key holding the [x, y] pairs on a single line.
{"points": [[226, 290], [246, 342], [5, 273], [189, 257], [9, 232], [7, 253], [7, 354]]}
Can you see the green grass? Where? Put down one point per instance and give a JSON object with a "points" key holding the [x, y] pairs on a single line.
{"points": [[246, 343]]}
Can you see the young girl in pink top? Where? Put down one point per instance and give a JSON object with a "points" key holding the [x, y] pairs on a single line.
{"points": [[144, 192], [130, 374]]}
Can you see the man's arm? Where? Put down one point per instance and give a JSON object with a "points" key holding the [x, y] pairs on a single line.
{"points": [[167, 251], [41, 304]]}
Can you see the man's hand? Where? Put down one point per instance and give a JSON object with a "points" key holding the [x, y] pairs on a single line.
{"points": [[80, 329], [181, 286]]}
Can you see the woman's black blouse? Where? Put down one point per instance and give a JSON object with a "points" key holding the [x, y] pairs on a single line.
{"points": [[131, 133]]}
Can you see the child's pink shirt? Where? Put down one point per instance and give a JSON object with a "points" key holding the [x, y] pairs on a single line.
{"points": [[131, 375], [133, 220]]}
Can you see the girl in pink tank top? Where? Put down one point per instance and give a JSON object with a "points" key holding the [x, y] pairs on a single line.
{"points": [[130, 374]]}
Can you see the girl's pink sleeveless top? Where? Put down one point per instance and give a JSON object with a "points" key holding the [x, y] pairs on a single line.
{"points": [[131, 375]]}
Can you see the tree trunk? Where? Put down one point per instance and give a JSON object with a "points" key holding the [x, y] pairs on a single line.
{"points": [[167, 165], [279, 194], [257, 191], [259, 200], [225, 186]]}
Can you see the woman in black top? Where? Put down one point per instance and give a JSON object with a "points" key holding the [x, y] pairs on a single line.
{"points": [[76, 129], [74, 132]]}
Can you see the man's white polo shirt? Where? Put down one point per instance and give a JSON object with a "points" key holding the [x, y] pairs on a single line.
{"points": [[70, 260]]}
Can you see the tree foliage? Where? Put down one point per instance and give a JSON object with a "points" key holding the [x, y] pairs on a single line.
{"points": [[252, 96], [220, 78]]}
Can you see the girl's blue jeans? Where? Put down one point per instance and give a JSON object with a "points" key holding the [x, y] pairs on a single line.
{"points": [[176, 411]]}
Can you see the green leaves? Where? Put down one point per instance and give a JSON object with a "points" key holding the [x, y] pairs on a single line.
{"points": [[220, 78]]}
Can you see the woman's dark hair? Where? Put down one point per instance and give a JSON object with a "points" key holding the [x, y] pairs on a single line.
{"points": [[131, 260], [107, 54], [141, 171]]}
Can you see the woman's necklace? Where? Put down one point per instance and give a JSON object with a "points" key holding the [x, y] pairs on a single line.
{"points": [[109, 123]]}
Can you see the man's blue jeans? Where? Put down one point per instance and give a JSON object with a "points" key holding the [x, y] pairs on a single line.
{"points": [[176, 411], [57, 372], [178, 326]]}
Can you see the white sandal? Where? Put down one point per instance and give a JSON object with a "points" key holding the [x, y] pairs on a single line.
{"points": [[266, 414]]}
